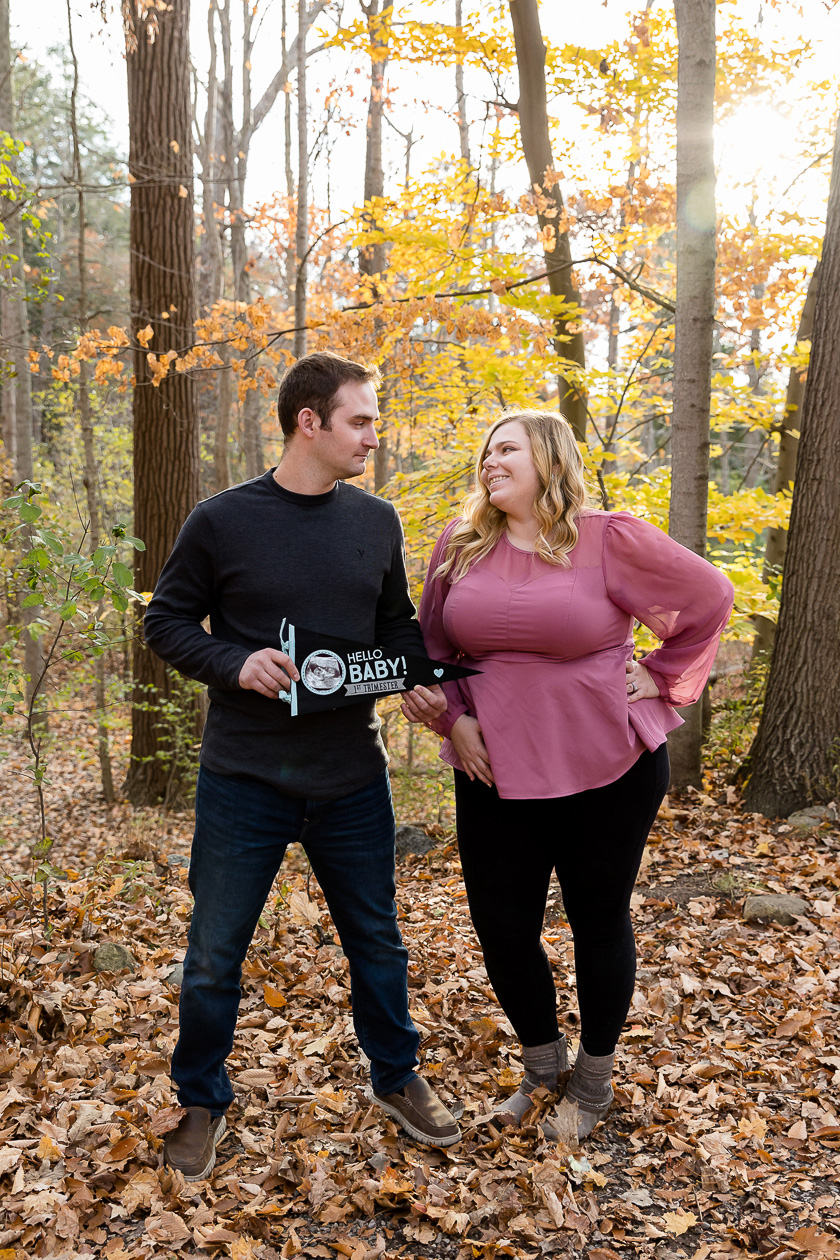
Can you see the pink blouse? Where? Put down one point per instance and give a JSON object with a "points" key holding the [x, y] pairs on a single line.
{"points": [[552, 644]]}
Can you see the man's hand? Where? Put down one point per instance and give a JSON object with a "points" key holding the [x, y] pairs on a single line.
{"points": [[468, 743], [268, 672], [424, 704]]}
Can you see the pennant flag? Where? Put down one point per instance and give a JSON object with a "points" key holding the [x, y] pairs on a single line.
{"points": [[335, 672]]}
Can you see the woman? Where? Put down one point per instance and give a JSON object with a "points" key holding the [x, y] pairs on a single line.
{"points": [[558, 745]]}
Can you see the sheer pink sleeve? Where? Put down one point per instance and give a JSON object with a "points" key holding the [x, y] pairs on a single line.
{"points": [[438, 645], [683, 599]]}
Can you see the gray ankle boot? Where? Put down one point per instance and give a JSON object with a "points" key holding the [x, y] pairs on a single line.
{"points": [[543, 1066], [590, 1089]]}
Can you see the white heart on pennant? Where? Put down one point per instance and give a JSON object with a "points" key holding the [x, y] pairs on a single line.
{"points": [[438, 673]]}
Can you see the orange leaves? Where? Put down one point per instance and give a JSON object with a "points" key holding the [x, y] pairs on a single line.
{"points": [[816, 1243], [723, 1136], [145, 335], [752, 1128], [548, 238], [48, 1150], [794, 1024], [679, 1222], [108, 369], [169, 1227], [273, 997], [166, 1119], [302, 909], [393, 1184], [159, 367], [121, 1150], [65, 368]]}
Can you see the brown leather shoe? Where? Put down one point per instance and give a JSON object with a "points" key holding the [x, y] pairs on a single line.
{"points": [[191, 1147], [421, 1113]]}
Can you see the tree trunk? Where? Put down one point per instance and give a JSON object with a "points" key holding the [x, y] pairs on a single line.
{"points": [[9, 416], [211, 264], [252, 434], [237, 161], [211, 259], [754, 438], [91, 468], [302, 211], [794, 758], [166, 466], [289, 173], [536, 145], [774, 554], [221, 435], [49, 312], [373, 259], [16, 323], [694, 320], [461, 99], [17, 389]]}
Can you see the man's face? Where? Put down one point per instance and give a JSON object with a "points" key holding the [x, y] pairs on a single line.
{"points": [[343, 449]]}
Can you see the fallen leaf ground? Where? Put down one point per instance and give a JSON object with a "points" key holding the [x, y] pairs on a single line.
{"points": [[724, 1139]]}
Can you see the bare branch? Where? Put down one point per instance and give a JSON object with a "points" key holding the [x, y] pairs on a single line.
{"points": [[269, 96]]}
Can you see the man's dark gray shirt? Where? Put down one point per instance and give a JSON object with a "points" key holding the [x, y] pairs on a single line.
{"points": [[250, 556]]}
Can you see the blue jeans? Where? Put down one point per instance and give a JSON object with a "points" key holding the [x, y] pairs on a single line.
{"points": [[242, 830]]}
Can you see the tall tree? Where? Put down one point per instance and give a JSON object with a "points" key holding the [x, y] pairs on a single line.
{"points": [[210, 150], [94, 537], [17, 388], [302, 208], [166, 483], [235, 140], [794, 758], [16, 319], [461, 96], [536, 145], [236, 167], [289, 257], [694, 320], [224, 150], [373, 258], [776, 546]]}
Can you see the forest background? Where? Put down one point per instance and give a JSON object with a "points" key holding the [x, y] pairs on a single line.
{"points": [[363, 181], [620, 215]]}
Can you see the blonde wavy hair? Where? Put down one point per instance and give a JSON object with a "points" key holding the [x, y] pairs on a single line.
{"points": [[562, 497]]}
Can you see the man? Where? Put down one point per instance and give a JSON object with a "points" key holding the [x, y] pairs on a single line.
{"points": [[297, 543]]}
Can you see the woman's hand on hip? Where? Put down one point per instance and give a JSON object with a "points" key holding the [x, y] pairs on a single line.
{"points": [[640, 684], [469, 744]]}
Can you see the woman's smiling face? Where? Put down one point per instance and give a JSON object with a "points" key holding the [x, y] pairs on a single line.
{"points": [[508, 470]]}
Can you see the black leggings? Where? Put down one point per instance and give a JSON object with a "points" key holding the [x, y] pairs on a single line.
{"points": [[594, 840]]}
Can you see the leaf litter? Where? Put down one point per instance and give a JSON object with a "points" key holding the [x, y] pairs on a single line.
{"points": [[724, 1140]]}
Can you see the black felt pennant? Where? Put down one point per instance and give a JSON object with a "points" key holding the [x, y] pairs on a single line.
{"points": [[335, 672]]}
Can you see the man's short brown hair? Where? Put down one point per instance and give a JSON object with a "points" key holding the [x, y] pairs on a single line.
{"points": [[313, 382]]}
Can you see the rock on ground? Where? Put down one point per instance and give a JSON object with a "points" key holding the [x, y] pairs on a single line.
{"points": [[413, 839], [804, 821], [175, 975], [113, 957], [776, 907]]}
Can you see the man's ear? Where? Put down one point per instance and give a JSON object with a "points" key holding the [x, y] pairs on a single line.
{"points": [[308, 421]]}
